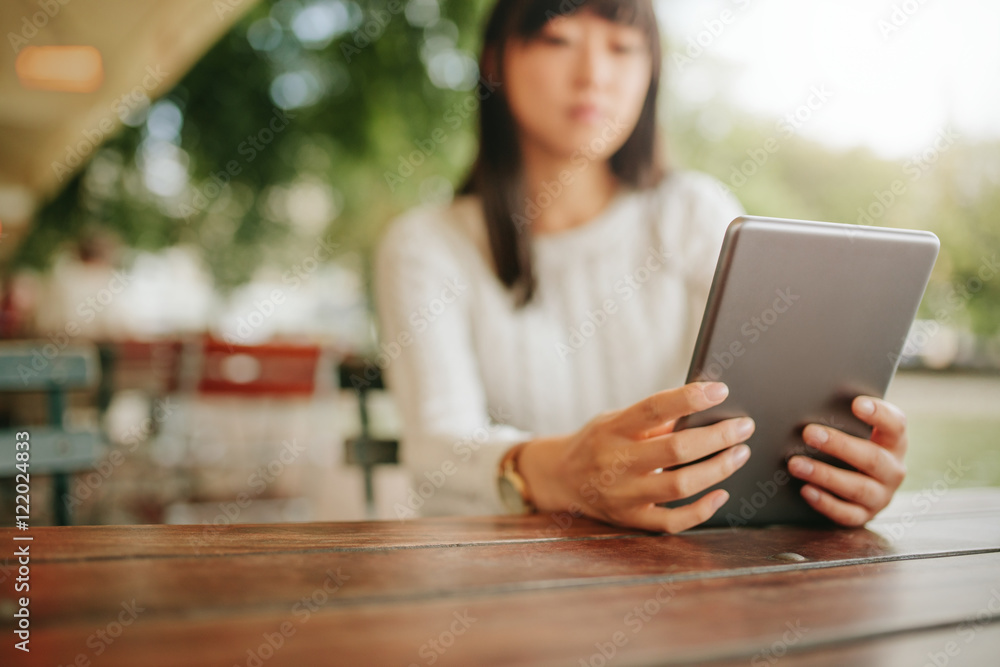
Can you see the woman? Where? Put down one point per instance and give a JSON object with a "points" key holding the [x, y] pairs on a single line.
{"points": [[530, 328]]}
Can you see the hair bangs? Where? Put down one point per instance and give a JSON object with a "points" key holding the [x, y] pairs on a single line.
{"points": [[534, 14]]}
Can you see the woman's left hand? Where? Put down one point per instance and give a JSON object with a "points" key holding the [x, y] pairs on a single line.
{"points": [[848, 497]]}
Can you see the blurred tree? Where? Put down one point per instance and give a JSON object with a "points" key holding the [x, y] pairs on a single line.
{"points": [[322, 119], [308, 120], [954, 192]]}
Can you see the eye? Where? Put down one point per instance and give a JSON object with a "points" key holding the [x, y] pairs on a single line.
{"points": [[558, 32], [554, 40], [625, 47]]}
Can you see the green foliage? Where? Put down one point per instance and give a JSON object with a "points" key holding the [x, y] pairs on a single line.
{"points": [[364, 135], [379, 100], [954, 193]]}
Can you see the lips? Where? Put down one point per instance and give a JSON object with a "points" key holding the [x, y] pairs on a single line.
{"points": [[586, 113]]}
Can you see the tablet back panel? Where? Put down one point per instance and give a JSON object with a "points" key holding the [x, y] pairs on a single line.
{"points": [[802, 317]]}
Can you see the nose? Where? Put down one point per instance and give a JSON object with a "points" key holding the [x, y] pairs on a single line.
{"points": [[594, 64]]}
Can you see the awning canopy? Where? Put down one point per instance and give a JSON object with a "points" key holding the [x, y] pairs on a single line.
{"points": [[144, 48]]}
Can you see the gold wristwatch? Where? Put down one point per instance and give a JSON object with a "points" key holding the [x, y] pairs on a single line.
{"points": [[513, 489]]}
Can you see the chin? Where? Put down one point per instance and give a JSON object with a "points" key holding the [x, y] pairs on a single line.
{"points": [[587, 141]]}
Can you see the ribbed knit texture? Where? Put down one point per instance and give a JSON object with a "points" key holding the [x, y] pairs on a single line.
{"points": [[615, 317]]}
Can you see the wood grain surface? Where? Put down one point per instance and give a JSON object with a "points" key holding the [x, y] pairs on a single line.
{"points": [[919, 584]]}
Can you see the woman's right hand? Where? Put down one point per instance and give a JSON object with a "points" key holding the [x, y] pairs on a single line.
{"points": [[608, 470]]}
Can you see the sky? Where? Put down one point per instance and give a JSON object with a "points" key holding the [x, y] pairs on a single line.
{"points": [[892, 73]]}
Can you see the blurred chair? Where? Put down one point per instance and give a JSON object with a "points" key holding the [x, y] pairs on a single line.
{"points": [[26, 367], [258, 370], [362, 376], [241, 407], [152, 367]]}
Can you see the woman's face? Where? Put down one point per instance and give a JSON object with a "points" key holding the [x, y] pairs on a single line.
{"points": [[578, 88]]}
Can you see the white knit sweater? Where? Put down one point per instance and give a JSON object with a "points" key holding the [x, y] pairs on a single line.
{"points": [[614, 319]]}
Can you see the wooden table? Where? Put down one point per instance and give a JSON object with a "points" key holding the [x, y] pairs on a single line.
{"points": [[921, 585]]}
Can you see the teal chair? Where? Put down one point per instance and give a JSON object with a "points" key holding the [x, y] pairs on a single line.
{"points": [[31, 367]]}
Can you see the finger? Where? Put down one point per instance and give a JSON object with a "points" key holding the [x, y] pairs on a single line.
{"points": [[653, 412], [685, 482], [852, 486], [870, 458], [889, 421], [661, 430], [690, 445], [674, 520], [844, 513]]}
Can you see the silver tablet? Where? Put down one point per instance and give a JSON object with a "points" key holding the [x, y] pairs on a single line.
{"points": [[801, 318]]}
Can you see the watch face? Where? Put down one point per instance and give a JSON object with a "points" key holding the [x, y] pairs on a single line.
{"points": [[510, 496]]}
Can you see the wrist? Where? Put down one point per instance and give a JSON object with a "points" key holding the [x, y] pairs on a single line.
{"points": [[513, 489], [539, 463]]}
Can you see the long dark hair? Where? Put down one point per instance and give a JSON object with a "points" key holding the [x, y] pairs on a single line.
{"points": [[497, 175]]}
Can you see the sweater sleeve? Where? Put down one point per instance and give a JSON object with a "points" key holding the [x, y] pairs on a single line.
{"points": [[452, 441]]}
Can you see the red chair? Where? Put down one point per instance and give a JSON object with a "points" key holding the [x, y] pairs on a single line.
{"points": [[245, 404], [273, 369]]}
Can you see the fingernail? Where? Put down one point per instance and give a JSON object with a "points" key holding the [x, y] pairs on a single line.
{"points": [[740, 454], [810, 493], [802, 465], [865, 406], [720, 500], [816, 435], [744, 427], [716, 391]]}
